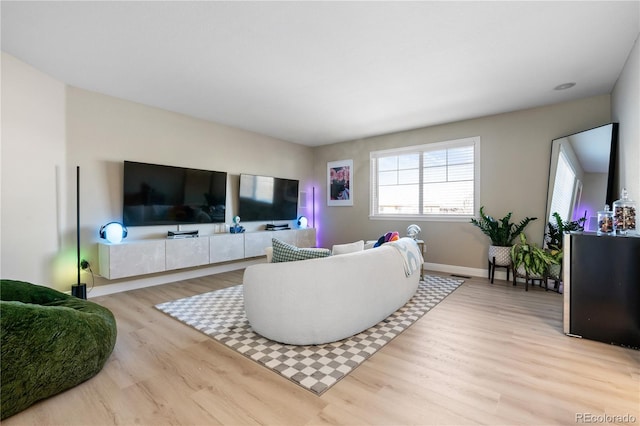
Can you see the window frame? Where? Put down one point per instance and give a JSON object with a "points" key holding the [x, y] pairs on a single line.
{"points": [[420, 149], [562, 191]]}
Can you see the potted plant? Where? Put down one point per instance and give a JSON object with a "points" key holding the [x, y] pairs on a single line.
{"points": [[502, 232], [531, 261], [556, 229]]}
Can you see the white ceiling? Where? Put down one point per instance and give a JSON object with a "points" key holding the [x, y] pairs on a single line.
{"points": [[323, 72]]}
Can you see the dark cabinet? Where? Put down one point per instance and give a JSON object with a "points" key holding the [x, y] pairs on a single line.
{"points": [[602, 288]]}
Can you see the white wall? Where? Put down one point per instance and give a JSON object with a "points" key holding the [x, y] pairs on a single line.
{"points": [[34, 222], [50, 128], [625, 109], [104, 131], [515, 156]]}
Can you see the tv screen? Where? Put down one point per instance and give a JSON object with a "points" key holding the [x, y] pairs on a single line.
{"points": [[267, 198], [165, 195]]}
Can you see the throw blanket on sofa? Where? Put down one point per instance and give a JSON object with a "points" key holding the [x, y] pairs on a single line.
{"points": [[411, 255]]}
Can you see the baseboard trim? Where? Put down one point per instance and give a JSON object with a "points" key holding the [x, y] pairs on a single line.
{"points": [[463, 270]]}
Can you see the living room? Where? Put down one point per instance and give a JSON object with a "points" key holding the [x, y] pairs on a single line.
{"points": [[49, 127], [59, 126]]}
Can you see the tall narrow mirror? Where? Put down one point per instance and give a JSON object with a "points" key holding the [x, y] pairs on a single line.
{"points": [[581, 174]]}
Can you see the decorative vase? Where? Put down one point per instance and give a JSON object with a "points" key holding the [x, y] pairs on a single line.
{"points": [[502, 255], [605, 221], [624, 215]]}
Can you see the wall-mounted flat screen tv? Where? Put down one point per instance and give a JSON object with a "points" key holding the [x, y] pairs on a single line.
{"points": [[166, 195], [267, 198]]}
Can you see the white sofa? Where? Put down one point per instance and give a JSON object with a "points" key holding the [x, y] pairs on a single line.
{"points": [[323, 300]]}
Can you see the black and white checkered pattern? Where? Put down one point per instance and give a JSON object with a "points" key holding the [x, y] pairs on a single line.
{"points": [[220, 315], [283, 252]]}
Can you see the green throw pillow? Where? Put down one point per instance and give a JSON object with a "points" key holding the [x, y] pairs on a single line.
{"points": [[283, 252]]}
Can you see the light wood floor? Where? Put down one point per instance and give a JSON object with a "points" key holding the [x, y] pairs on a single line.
{"points": [[488, 354]]}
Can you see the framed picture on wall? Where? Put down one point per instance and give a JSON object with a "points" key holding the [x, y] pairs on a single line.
{"points": [[340, 183]]}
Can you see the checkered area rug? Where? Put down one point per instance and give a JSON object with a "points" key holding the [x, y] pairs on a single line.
{"points": [[220, 314]]}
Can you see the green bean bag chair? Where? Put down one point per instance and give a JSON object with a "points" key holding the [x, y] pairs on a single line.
{"points": [[50, 342]]}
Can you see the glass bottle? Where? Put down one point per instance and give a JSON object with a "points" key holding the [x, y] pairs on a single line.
{"points": [[624, 215], [605, 221]]}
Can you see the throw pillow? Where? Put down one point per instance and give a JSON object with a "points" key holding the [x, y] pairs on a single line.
{"points": [[387, 238], [284, 252], [347, 248]]}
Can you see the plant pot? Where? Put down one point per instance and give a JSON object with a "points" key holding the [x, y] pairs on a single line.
{"points": [[502, 255], [521, 272], [555, 271]]}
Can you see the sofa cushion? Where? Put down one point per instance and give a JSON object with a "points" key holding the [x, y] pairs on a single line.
{"points": [[284, 252], [347, 248]]}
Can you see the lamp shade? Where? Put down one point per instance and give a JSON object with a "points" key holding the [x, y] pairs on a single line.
{"points": [[113, 232]]}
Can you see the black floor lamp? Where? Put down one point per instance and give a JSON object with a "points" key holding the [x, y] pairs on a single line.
{"points": [[78, 290]]}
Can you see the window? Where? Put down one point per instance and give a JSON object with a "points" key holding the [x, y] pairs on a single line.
{"points": [[565, 189], [439, 180]]}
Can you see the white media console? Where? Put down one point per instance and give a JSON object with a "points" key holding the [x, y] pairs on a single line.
{"points": [[132, 258]]}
